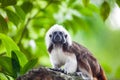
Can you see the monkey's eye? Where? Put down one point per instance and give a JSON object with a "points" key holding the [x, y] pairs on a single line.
{"points": [[50, 35], [65, 36], [55, 32], [60, 33]]}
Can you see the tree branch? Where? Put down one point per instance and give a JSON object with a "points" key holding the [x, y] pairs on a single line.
{"points": [[47, 74]]}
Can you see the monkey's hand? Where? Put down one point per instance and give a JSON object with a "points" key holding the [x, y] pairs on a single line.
{"points": [[80, 74], [59, 70]]}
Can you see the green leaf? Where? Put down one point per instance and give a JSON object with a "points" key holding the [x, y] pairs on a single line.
{"points": [[15, 64], [3, 77], [85, 2], [5, 3], [5, 63], [20, 12], [86, 11], [93, 8], [105, 10], [21, 57], [3, 25], [13, 17], [30, 64], [8, 43], [2, 48], [70, 3], [27, 6], [118, 2]]}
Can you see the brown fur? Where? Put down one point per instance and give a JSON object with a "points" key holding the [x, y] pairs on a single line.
{"points": [[86, 61]]}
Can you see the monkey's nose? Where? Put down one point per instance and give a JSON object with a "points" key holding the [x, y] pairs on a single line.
{"points": [[57, 38]]}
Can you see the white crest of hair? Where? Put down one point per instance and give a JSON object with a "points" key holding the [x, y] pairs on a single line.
{"points": [[57, 27]]}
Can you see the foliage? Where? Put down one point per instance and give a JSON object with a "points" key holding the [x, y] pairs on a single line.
{"points": [[23, 24]]}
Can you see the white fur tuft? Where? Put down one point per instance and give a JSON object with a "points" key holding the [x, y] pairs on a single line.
{"points": [[57, 27]]}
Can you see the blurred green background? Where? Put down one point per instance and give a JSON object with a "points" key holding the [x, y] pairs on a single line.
{"points": [[23, 24]]}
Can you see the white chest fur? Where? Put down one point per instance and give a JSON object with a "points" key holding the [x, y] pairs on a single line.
{"points": [[59, 58]]}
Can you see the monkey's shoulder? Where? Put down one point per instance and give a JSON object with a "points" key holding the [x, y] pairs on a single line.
{"points": [[78, 48], [81, 51]]}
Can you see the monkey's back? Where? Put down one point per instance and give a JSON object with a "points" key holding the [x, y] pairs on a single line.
{"points": [[87, 61]]}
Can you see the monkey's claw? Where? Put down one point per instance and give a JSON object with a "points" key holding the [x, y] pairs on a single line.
{"points": [[78, 74], [84, 76], [58, 69]]}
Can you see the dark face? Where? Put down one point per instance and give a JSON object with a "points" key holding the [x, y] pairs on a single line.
{"points": [[58, 37]]}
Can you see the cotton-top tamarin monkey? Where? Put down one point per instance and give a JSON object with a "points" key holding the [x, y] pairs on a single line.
{"points": [[73, 56]]}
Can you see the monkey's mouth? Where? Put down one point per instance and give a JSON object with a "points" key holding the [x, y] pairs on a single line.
{"points": [[58, 39]]}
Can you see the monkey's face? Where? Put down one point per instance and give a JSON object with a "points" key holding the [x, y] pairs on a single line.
{"points": [[58, 37]]}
